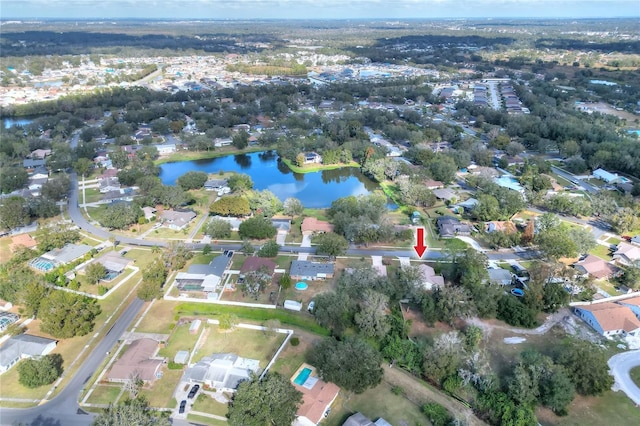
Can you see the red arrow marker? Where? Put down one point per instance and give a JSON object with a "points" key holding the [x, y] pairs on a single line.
{"points": [[420, 248]]}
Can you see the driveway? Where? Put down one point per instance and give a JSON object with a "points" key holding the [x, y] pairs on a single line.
{"points": [[473, 243], [621, 365], [306, 240]]}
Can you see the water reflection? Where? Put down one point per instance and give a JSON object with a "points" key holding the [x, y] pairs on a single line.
{"points": [[243, 160]]}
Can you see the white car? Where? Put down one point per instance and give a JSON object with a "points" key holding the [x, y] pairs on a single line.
{"points": [[312, 305]]}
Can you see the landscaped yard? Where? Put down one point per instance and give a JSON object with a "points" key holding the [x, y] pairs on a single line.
{"points": [[160, 393], [180, 340], [375, 403], [159, 319], [601, 251], [240, 341], [206, 404], [635, 375], [612, 408], [206, 420], [105, 394]]}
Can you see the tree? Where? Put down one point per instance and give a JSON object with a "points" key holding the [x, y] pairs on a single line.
{"points": [[134, 411], [257, 227], [82, 166], [192, 180], [31, 296], [57, 236], [120, 215], [34, 373], [333, 311], [586, 366], [133, 384], [240, 182], [514, 148], [264, 203], [66, 315], [624, 220], [255, 282], [437, 414], [372, 316], [13, 212], [241, 139], [555, 243], [119, 158], [351, 364], [231, 205], [12, 178], [331, 244], [227, 321], [514, 312], [218, 228], [94, 272], [443, 359], [57, 188], [270, 401], [292, 207], [269, 249], [247, 248]]}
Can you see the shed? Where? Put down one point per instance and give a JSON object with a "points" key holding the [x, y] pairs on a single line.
{"points": [[195, 326], [181, 357], [292, 305]]}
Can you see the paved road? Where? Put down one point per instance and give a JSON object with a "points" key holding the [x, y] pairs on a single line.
{"points": [[621, 365], [571, 178], [63, 409]]}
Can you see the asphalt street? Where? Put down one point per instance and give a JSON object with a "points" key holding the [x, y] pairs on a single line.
{"points": [[63, 409], [621, 365]]}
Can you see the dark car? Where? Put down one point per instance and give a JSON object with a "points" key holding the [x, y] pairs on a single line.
{"points": [[193, 391], [183, 405]]}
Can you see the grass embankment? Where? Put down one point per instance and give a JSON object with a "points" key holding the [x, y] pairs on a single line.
{"points": [[635, 375], [252, 314], [204, 155], [309, 168]]}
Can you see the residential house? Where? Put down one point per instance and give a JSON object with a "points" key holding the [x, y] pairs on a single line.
{"points": [[433, 184], [167, 148], [149, 213], [215, 184], [311, 225], [499, 276], [500, 226], [449, 227], [108, 185], [445, 194], [23, 346], [282, 225], [60, 256], [317, 397], [40, 153], [632, 303], [605, 176], [306, 270], [204, 278], [254, 264], [30, 163], [627, 254], [609, 319], [177, 219], [6, 319], [223, 372], [39, 173], [233, 221], [596, 267], [359, 419], [108, 174], [430, 280], [220, 142], [139, 360], [312, 158], [468, 204]]}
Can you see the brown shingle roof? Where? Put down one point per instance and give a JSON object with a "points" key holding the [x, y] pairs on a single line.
{"points": [[597, 267], [255, 263], [22, 240], [316, 400], [612, 316], [137, 360], [311, 224]]}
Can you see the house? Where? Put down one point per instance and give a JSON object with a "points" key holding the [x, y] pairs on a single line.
{"points": [[430, 279], [305, 270], [215, 184], [218, 142], [6, 319], [596, 267], [636, 239], [499, 276], [445, 194], [149, 213], [29, 163], [22, 240], [40, 153], [61, 256], [507, 227], [282, 225], [468, 204], [312, 158], [177, 219], [433, 184], [632, 303], [311, 225], [108, 185], [233, 221], [317, 396], [627, 254], [204, 278], [605, 176], [609, 319], [359, 419], [223, 372], [108, 174], [39, 173], [23, 346], [449, 227], [138, 359], [113, 262], [253, 264], [167, 148]]}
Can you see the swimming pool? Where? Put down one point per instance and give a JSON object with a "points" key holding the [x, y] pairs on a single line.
{"points": [[302, 376], [43, 264], [301, 285]]}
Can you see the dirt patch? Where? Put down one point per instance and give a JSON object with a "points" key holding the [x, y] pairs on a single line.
{"points": [[419, 328]]}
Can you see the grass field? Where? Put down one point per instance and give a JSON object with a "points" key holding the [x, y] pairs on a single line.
{"points": [[206, 404], [602, 252], [246, 343], [310, 168], [635, 375], [179, 340], [160, 394], [159, 319], [375, 403], [206, 420], [612, 408], [104, 394]]}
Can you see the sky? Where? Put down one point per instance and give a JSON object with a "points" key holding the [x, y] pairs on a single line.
{"points": [[317, 9]]}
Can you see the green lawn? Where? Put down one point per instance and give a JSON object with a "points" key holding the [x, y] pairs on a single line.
{"points": [[375, 403], [635, 375], [160, 394], [612, 408], [202, 259], [159, 319], [601, 251], [92, 195], [309, 168], [246, 343], [206, 420], [320, 214], [206, 404], [104, 394], [202, 155], [179, 340]]}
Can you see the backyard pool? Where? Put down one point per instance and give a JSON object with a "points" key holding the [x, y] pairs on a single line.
{"points": [[302, 285], [302, 376], [43, 264]]}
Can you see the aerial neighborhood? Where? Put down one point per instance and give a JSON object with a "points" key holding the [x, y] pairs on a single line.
{"points": [[287, 225]]}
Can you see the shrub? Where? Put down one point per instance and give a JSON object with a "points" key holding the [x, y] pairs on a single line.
{"points": [[34, 373], [437, 414], [294, 341]]}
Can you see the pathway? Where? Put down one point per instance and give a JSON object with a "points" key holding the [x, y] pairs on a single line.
{"points": [[306, 240], [195, 230], [551, 320], [473, 243], [621, 365]]}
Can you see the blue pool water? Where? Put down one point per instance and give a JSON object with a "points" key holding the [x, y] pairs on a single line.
{"points": [[302, 376], [43, 265], [301, 285]]}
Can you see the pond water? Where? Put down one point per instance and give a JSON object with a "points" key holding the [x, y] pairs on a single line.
{"points": [[314, 190], [8, 122]]}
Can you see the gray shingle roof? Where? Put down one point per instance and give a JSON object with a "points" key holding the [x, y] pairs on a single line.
{"points": [[304, 268]]}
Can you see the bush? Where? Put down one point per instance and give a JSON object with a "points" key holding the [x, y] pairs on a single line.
{"points": [[258, 228], [34, 373], [397, 390], [102, 290], [294, 341], [437, 414], [269, 249]]}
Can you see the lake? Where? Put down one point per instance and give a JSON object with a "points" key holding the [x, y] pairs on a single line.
{"points": [[314, 190], [8, 122]]}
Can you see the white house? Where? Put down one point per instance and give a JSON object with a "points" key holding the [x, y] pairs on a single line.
{"points": [[167, 148], [605, 176], [23, 346]]}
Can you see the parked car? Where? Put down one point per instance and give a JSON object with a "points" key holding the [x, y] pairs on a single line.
{"points": [[193, 391], [311, 306], [183, 406]]}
